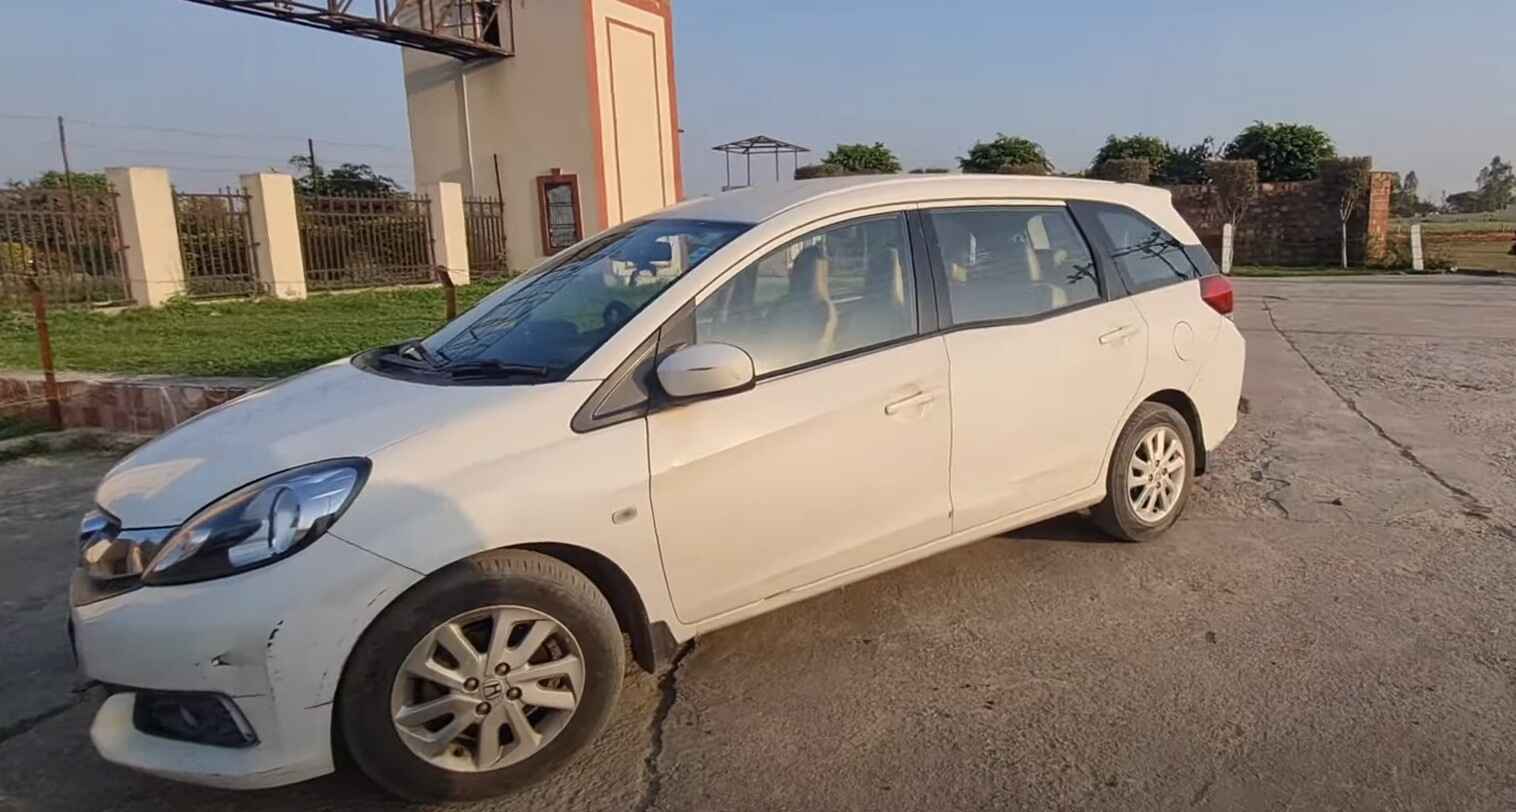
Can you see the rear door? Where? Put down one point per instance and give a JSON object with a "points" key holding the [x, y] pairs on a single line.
{"points": [[1044, 360], [1156, 269]]}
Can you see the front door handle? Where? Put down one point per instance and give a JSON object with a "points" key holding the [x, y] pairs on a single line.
{"points": [[1121, 333], [918, 399]]}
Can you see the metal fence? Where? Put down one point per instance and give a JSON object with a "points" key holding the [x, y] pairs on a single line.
{"points": [[484, 222], [365, 241], [216, 243], [69, 243]]}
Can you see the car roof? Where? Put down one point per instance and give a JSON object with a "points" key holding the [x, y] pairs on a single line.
{"points": [[756, 204]]}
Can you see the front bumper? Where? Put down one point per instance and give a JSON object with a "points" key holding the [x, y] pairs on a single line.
{"points": [[273, 640]]}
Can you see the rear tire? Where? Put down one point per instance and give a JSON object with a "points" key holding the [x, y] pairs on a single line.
{"points": [[1151, 472], [434, 702]]}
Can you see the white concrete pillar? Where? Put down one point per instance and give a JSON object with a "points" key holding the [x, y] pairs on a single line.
{"points": [[449, 234], [154, 269], [276, 234], [1228, 247]]}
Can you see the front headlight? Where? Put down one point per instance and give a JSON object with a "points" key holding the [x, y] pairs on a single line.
{"points": [[259, 523]]}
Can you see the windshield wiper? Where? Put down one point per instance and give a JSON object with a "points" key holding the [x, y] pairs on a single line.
{"points": [[490, 369]]}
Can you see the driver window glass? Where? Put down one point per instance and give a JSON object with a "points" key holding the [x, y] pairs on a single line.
{"points": [[828, 293]]}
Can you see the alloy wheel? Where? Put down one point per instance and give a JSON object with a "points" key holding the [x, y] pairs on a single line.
{"points": [[1155, 476], [487, 688]]}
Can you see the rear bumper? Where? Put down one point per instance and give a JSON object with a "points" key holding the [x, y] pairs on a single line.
{"points": [[1217, 391], [273, 641]]}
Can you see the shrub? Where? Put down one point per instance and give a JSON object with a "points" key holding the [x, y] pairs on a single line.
{"points": [[930, 170], [1022, 169], [16, 258], [1284, 151], [1005, 151], [859, 159], [1125, 170], [819, 171]]}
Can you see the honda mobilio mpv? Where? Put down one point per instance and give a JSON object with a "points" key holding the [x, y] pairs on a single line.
{"points": [[428, 554]]}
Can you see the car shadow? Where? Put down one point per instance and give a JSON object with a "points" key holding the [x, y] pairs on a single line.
{"points": [[1069, 527]]}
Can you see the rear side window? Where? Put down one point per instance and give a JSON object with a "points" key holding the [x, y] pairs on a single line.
{"points": [[1012, 262], [1147, 255]]}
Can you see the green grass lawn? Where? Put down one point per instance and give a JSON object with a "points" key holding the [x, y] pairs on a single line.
{"points": [[263, 338]]}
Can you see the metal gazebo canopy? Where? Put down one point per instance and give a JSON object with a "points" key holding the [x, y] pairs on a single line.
{"points": [[758, 145]]}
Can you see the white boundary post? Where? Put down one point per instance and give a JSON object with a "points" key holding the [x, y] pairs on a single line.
{"points": [[276, 232], [1228, 240], [449, 234], [150, 229]]}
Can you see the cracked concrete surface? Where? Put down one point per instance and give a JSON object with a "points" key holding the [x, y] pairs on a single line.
{"points": [[1330, 625]]}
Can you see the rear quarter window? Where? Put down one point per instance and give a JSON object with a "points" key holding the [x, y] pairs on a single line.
{"points": [[1146, 255]]}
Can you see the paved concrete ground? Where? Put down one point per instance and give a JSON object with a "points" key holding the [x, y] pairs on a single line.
{"points": [[1331, 625]]}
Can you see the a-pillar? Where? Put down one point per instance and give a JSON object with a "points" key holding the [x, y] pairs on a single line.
{"points": [[154, 268], [276, 234], [449, 234]]}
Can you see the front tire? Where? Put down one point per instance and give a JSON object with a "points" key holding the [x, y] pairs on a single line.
{"points": [[1149, 479], [482, 679]]}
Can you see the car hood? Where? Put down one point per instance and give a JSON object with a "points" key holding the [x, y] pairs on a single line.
{"points": [[336, 410]]}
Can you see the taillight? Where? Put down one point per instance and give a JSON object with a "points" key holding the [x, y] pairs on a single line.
{"points": [[1216, 291]]}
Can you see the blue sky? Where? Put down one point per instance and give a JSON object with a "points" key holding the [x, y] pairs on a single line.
{"points": [[1430, 87]]}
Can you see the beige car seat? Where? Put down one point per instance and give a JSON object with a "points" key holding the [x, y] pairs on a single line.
{"points": [[882, 313], [802, 325]]}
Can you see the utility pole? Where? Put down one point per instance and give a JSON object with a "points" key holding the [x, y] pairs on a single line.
{"points": [[68, 182], [499, 189], [310, 145]]}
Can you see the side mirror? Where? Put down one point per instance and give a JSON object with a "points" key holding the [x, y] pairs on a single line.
{"points": [[705, 369]]}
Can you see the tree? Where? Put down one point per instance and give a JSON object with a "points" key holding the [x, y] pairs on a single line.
{"points": [[1497, 185], [83, 182], [863, 159], [1463, 202], [347, 179], [1187, 166], [1171, 165], [1155, 151], [1283, 151], [1405, 197], [1348, 178], [1004, 151]]}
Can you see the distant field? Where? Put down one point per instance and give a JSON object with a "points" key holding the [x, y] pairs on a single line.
{"points": [[1456, 226], [1481, 255], [1469, 241]]}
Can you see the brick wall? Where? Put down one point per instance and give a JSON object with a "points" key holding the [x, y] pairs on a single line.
{"points": [[133, 404], [1295, 223]]}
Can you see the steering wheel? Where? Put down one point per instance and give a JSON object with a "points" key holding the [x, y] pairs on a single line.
{"points": [[615, 313]]}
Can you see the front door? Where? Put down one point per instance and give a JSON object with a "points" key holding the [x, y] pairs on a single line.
{"points": [[1044, 364], [837, 457]]}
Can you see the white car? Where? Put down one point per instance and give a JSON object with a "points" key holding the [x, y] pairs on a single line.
{"points": [[428, 554]]}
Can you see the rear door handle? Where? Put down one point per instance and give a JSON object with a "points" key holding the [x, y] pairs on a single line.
{"points": [[918, 399], [1121, 333]]}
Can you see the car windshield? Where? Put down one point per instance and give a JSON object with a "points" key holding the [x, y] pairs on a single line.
{"points": [[552, 318]]}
